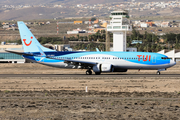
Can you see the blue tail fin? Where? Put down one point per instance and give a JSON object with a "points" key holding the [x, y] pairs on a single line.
{"points": [[30, 43]]}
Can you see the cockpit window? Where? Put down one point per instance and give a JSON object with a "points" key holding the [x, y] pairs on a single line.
{"points": [[164, 58]]}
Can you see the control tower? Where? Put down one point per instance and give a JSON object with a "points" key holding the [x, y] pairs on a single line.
{"points": [[119, 25]]}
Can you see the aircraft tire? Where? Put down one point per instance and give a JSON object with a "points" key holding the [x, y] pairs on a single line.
{"points": [[158, 73], [88, 72]]}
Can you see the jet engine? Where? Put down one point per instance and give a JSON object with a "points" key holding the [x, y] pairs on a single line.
{"points": [[103, 68]]}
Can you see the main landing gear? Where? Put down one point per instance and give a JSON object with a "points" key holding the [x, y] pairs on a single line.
{"points": [[158, 73], [89, 72]]}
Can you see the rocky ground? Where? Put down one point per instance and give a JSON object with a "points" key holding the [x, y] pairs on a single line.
{"points": [[107, 98], [79, 105]]}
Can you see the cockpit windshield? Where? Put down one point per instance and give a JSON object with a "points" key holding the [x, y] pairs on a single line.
{"points": [[165, 58]]}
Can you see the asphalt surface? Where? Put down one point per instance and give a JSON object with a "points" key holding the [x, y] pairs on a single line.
{"points": [[92, 76]]}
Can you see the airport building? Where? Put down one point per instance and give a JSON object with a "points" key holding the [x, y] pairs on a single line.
{"points": [[6, 57], [173, 54]]}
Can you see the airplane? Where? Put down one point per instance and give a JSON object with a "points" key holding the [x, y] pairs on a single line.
{"points": [[96, 61]]}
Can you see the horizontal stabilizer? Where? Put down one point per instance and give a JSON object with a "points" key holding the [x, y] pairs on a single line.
{"points": [[19, 53]]}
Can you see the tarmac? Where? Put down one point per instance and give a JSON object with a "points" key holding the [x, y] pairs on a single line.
{"points": [[93, 76]]}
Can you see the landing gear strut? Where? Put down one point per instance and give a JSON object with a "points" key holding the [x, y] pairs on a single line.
{"points": [[158, 73], [89, 72]]}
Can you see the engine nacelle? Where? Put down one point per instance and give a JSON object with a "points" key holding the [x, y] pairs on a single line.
{"points": [[107, 68], [103, 68]]}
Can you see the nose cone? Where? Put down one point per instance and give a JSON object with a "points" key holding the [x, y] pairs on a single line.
{"points": [[172, 62]]}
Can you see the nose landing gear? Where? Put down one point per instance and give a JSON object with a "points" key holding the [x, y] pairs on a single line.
{"points": [[158, 72]]}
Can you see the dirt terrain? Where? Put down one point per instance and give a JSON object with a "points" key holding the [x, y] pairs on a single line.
{"points": [[78, 105], [58, 98]]}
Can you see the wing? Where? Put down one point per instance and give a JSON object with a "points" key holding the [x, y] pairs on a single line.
{"points": [[84, 64], [76, 62]]}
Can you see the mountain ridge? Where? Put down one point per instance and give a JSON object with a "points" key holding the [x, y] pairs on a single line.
{"points": [[40, 9], [37, 2]]}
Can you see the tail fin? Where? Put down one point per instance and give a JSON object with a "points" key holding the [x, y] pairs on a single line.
{"points": [[30, 43]]}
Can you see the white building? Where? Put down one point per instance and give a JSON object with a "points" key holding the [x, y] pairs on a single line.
{"points": [[6, 57], [165, 24], [131, 49], [173, 54], [119, 25], [144, 25]]}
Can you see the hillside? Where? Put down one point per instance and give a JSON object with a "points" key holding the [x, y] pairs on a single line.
{"points": [[40, 9], [30, 2], [37, 2], [36, 13]]}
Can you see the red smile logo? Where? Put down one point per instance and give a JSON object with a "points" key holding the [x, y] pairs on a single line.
{"points": [[28, 43]]}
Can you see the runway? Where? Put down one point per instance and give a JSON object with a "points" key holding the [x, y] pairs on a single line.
{"points": [[91, 76]]}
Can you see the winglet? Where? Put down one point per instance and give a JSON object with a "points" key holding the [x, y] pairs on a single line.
{"points": [[97, 50]]}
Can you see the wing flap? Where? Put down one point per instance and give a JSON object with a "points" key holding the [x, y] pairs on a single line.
{"points": [[74, 61]]}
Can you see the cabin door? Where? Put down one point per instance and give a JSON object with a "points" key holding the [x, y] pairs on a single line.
{"points": [[154, 59]]}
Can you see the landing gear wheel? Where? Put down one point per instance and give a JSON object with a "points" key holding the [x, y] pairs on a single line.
{"points": [[158, 73], [88, 72], [97, 73]]}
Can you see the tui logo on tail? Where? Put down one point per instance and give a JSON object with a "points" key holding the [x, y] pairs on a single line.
{"points": [[28, 43]]}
